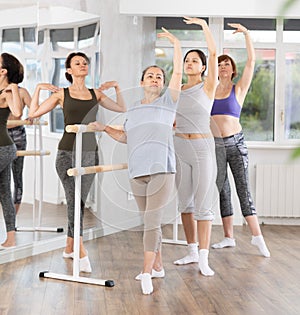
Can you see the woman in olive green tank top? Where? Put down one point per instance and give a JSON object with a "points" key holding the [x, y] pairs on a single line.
{"points": [[80, 106]]}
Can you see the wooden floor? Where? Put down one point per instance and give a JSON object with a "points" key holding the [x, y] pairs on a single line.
{"points": [[244, 281]]}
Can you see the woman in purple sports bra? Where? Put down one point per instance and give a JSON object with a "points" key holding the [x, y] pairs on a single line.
{"points": [[230, 146]]}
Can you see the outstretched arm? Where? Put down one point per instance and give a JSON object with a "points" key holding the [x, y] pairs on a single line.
{"points": [[117, 134], [211, 80], [51, 102], [108, 103], [175, 81], [243, 84]]}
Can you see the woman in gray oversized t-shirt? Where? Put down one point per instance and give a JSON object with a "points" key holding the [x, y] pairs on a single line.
{"points": [[151, 158]]}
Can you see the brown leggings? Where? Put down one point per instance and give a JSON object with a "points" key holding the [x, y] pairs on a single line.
{"points": [[153, 194]]}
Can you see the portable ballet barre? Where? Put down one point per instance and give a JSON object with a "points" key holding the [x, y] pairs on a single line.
{"points": [[79, 171], [104, 168], [40, 153]]}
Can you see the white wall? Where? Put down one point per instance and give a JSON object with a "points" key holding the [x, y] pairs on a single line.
{"points": [[229, 8]]}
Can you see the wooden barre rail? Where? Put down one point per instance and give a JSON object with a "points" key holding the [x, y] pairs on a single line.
{"points": [[87, 128], [33, 153], [96, 169], [26, 122]]}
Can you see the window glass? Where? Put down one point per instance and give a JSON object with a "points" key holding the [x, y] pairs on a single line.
{"points": [[62, 38], [292, 95], [11, 40], [291, 31], [86, 35], [29, 39], [257, 118]]}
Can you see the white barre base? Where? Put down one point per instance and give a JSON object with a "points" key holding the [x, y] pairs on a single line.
{"points": [[38, 228], [106, 283]]}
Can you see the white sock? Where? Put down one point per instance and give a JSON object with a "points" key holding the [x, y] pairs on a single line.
{"points": [[226, 242], [146, 283], [154, 274], [191, 257], [84, 264], [203, 263], [260, 243]]}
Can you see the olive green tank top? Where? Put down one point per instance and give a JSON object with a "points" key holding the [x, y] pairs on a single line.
{"points": [[5, 139], [83, 112]]}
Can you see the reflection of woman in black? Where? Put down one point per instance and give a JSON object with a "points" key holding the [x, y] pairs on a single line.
{"points": [[80, 106], [18, 135], [11, 73]]}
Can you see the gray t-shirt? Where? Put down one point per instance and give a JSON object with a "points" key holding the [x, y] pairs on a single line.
{"points": [[193, 112], [149, 137]]}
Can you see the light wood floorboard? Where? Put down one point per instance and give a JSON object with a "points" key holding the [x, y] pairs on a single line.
{"points": [[244, 282]]}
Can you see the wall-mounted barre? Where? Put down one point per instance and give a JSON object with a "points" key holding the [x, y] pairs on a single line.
{"points": [[33, 153], [96, 169], [26, 122]]}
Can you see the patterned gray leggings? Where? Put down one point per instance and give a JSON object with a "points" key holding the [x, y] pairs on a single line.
{"points": [[18, 136], [233, 151], [64, 161], [7, 155]]}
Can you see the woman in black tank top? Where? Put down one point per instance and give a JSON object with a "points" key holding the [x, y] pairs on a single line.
{"points": [[11, 73], [80, 106]]}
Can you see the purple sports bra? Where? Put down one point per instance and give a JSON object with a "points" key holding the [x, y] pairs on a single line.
{"points": [[227, 106]]}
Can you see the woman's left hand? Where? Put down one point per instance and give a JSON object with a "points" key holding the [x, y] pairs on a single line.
{"points": [[168, 35], [239, 28], [107, 85]]}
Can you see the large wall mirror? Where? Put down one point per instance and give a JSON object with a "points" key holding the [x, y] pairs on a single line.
{"points": [[41, 35]]}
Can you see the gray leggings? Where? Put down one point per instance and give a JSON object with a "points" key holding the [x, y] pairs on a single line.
{"points": [[152, 194], [18, 136], [233, 150], [64, 161], [196, 176], [7, 155]]}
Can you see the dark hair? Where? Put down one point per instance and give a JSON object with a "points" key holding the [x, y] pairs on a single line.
{"points": [[201, 56], [68, 63], [225, 58], [15, 70], [153, 66]]}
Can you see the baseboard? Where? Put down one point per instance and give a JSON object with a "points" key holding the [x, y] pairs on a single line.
{"points": [[45, 246]]}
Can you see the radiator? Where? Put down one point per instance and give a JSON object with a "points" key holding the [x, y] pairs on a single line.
{"points": [[278, 190]]}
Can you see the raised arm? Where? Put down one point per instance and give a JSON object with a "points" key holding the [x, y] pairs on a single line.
{"points": [[13, 99], [243, 84], [108, 103], [211, 80], [175, 81], [51, 102], [117, 134]]}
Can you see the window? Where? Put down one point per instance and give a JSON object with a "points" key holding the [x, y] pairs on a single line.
{"points": [[274, 94], [257, 116]]}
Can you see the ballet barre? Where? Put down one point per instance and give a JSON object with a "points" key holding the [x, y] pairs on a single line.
{"points": [[37, 123], [33, 153], [77, 172], [96, 169], [26, 123]]}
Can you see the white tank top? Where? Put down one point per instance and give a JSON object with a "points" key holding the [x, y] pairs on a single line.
{"points": [[193, 111]]}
